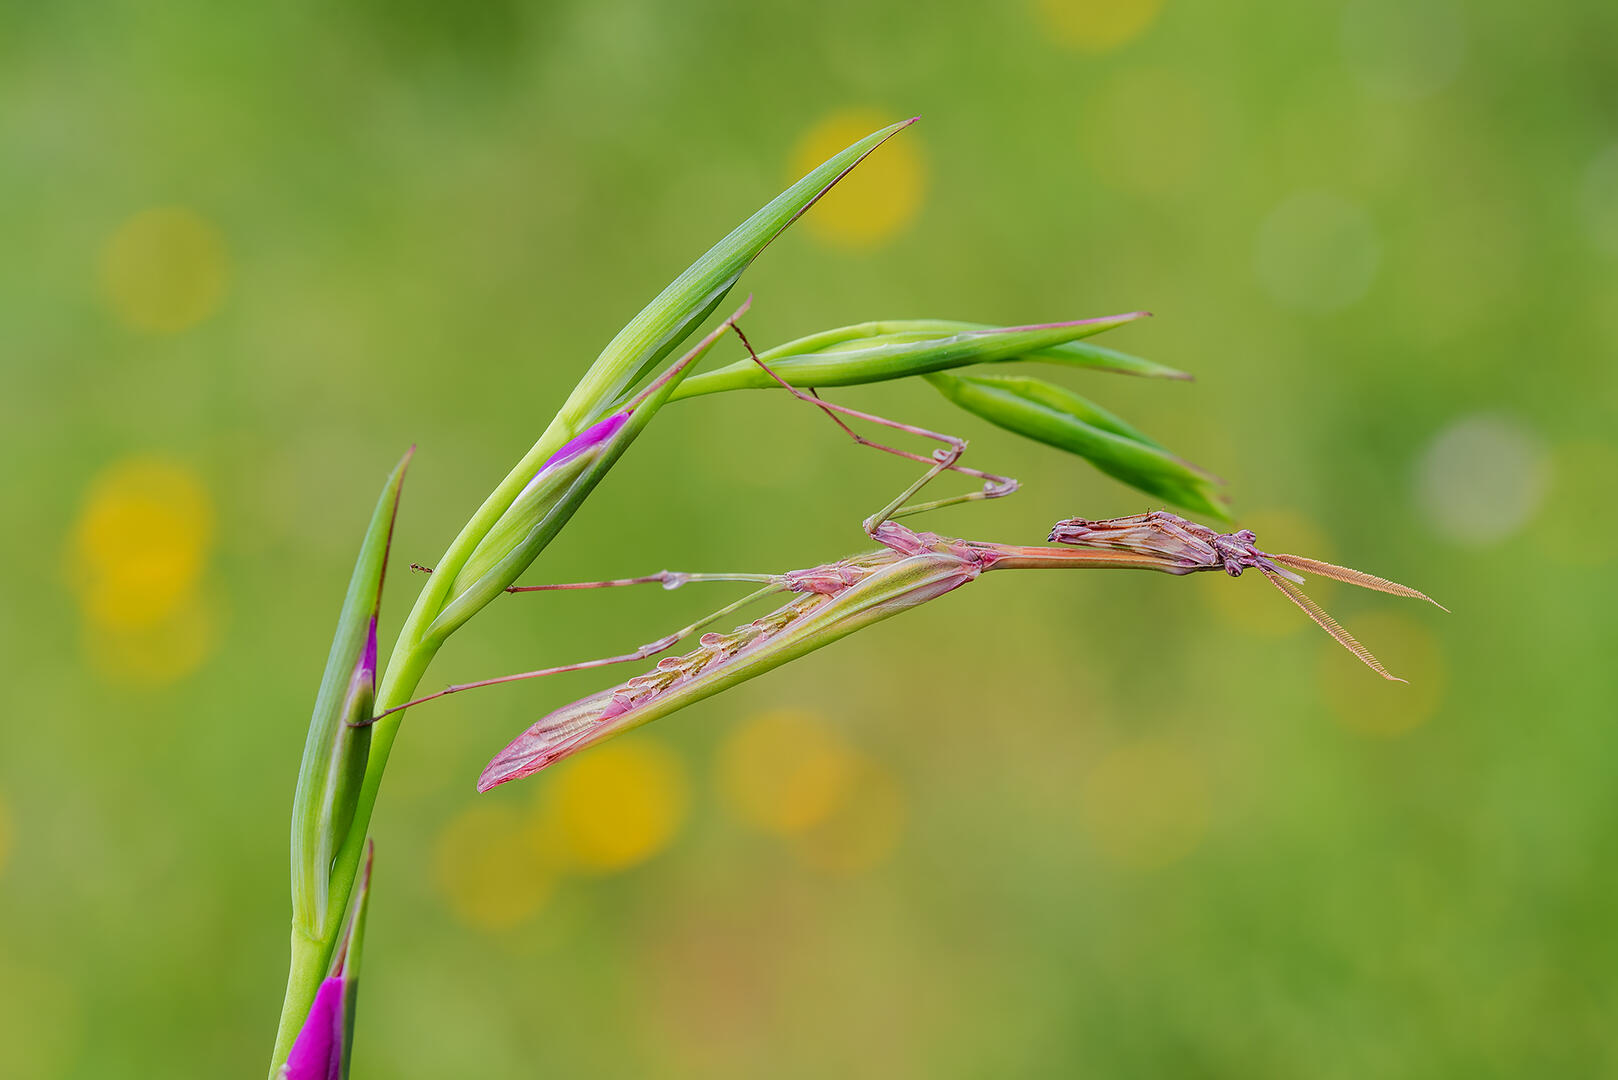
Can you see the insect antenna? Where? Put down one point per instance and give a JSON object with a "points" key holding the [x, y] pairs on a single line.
{"points": [[945, 459], [1352, 577], [1329, 624], [645, 652]]}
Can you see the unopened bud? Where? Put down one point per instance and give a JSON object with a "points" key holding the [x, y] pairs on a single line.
{"points": [[325, 1043], [338, 743], [537, 498], [1058, 417], [880, 351]]}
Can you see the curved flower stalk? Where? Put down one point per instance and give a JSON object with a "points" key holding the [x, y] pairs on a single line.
{"points": [[361, 703], [527, 525]]}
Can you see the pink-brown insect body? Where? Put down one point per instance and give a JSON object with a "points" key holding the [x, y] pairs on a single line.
{"points": [[836, 599]]}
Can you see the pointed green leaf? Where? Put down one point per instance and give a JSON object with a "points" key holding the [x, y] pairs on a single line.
{"points": [[1058, 417], [679, 309], [878, 351], [555, 493], [334, 752], [1063, 400]]}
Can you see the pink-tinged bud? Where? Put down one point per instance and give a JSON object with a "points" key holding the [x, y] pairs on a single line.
{"points": [[326, 1040], [547, 489], [590, 438], [318, 1053]]}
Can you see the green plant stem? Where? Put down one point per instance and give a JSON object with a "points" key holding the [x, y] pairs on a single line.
{"points": [[412, 652], [306, 970]]}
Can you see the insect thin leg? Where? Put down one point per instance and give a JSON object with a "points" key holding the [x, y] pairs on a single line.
{"points": [[669, 579], [945, 459], [650, 649]]}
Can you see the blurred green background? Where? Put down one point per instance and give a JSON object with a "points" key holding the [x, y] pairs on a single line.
{"points": [[1053, 825]]}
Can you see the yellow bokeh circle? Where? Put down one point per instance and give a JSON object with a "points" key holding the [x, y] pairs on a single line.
{"points": [[140, 543], [1096, 26], [490, 868], [862, 829], [1370, 705], [1146, 804], [618, 805], [875, 201], [164, 270], [154, 655], [784, 771], [5, 835]]}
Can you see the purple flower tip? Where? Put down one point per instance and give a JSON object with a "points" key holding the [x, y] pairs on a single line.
{"points": [[588, 439], [368, 658], [318, 1052]]}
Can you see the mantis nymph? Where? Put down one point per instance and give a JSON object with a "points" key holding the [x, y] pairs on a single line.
{"points": [[908, 568]]}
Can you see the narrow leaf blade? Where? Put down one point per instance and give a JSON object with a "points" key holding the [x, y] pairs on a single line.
{"points": [[880, 351], [334, 752], [1057, 417], [690, 298]]}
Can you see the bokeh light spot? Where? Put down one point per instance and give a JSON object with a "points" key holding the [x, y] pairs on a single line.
{"points": [[5, 835], [1096, 26], [140, 543], [1370, 705], [1600, 198], [875, 201], [1580, 515], [1403, 49], [1482, 478], [158, 654], [1148, 130], [784, 771], [1317, 252], [164, 270], [1251, 603], [619, 805], [1145, 804], [489, 866], [864, 827]]}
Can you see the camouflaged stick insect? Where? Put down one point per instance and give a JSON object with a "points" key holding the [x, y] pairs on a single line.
{"points": [[835, 599]]}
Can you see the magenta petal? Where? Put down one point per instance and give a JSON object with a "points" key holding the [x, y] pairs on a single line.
{"points": [[318, 1052], [588, 439]]}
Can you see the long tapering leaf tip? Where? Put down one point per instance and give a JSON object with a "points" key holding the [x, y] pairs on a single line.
{"points": [[1108, 320], [331, 772]]}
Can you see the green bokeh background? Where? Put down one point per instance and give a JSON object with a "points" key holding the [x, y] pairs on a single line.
{"points": [[435, 215]]}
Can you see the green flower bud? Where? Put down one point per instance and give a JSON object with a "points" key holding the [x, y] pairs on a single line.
{"points": [[879, 351], [1058, 417], [335, 750]]}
